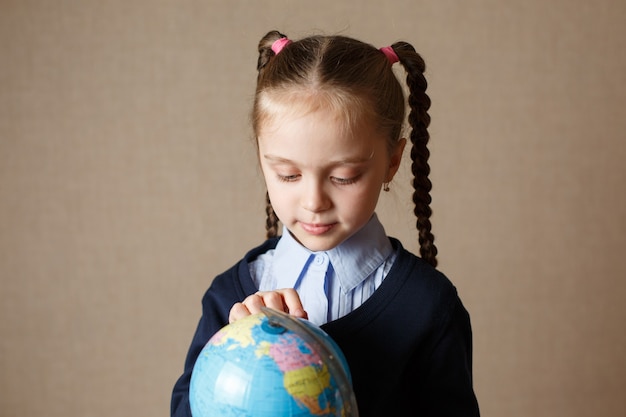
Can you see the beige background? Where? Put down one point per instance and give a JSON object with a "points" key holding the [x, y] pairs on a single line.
{"points": [[128, 180]]}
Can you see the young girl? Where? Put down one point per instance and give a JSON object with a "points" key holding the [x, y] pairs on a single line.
{"points": [[328, 116]]}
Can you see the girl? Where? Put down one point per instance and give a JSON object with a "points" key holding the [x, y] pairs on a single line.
{"points": [[328, 115]]}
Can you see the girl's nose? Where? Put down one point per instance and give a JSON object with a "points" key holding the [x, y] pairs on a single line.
{"points": [[314, 198]]}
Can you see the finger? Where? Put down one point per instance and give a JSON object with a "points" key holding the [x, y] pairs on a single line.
{"points": [[254, 303], [237, 311], [273, 299], [293, 303]]}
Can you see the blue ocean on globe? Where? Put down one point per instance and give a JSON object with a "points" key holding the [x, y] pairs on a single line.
{"points": [[271, 365]]}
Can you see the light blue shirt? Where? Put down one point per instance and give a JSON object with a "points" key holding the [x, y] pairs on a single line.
{"points": [[330, 283]]}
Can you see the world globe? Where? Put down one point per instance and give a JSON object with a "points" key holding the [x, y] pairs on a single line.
{"points": [[271, 364]]}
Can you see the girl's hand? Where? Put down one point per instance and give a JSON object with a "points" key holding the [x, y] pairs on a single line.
{"points": [[286, 300]]}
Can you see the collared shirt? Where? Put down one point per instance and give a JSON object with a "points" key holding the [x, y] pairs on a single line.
{"points": [[330, 283]]}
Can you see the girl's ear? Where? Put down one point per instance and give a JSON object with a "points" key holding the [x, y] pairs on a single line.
{"points": [[395, 159]]}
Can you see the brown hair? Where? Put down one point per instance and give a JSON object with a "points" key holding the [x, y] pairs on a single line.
{"points": [[356, 79]]}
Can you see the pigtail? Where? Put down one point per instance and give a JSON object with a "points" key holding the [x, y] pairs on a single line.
{"points": [[419, 119], [265, 55], [271, 222], [265, 48]]}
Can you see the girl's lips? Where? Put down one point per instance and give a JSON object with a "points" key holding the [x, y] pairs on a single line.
{"points": [[316, 229]]}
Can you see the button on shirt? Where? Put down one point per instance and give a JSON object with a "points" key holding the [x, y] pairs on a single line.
{"points": [[330, 283]]}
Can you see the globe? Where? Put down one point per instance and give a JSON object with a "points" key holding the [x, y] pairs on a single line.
{"points": [[271, 365]]}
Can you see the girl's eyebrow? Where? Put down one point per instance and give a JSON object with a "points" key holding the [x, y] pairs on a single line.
{"points": [[275, 158], [350, 160]]}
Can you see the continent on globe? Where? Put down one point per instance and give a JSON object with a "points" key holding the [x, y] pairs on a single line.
{"points": [[271, 364]]}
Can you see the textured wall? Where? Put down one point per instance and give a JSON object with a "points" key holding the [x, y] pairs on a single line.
{"points": [[128, 180]]}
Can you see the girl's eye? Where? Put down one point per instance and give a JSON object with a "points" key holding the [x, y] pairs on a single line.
{"points": [[344, 181], [287, 178]]}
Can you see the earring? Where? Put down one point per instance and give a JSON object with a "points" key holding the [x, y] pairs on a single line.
{"points": [[386, 187]]}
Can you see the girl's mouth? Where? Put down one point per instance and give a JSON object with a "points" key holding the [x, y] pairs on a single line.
{"points": [[316, 229]]}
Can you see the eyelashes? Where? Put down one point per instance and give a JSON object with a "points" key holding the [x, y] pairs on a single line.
{"points": [[344, 181], [287, 178], [334, 180]]}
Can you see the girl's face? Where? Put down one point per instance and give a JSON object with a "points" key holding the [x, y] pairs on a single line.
{"points": [[324, 183]]}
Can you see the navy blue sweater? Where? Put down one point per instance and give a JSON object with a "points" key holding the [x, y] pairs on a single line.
{"points": [[409, 346]]}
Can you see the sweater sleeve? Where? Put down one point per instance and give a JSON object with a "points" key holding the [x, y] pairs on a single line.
{"points": [[448, 387]]}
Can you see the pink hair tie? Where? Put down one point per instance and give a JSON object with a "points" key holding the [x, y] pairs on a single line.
{"points": [[279, 44], [390, 54]]}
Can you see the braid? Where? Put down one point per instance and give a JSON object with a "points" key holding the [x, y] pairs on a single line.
{"points": [[265, 54], [271, 223], [419, 120]]}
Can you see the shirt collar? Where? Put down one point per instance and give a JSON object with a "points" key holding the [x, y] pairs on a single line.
{"points": [[353, 260]]}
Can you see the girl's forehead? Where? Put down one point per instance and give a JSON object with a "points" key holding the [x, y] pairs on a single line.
{"points": [[318, 138], [345, 109]]}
